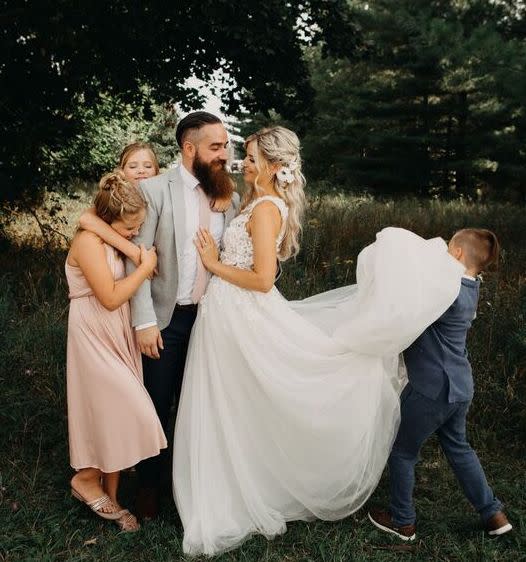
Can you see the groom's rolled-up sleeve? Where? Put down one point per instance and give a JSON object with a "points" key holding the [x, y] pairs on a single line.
{"points": [[141, 304]]}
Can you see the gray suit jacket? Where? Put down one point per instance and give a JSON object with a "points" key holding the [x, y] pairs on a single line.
{"points": [[164, 228]]}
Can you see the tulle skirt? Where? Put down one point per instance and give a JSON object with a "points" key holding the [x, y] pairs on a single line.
{"points": [[289, 409]]}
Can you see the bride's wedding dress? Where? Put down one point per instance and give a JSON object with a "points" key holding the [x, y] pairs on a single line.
{"points": [[289, 409]]}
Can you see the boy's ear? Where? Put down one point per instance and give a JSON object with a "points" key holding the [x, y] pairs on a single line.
{"points": [[457, 252]]}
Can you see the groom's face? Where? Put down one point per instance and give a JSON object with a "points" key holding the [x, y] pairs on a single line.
{"points": [[209, 161], [211, 146]]}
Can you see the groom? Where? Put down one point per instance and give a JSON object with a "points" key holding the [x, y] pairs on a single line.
{"points": [[164, 309]]}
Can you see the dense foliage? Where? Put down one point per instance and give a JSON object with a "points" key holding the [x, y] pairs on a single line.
{"points": [[55, 54], [103, 128], [420, 96], [433, 101]]}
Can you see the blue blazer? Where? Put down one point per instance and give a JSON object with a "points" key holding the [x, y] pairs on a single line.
{"points": [[439, 356]]}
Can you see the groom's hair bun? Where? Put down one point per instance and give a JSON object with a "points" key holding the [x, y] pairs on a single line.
{"points": [[194, 121]]}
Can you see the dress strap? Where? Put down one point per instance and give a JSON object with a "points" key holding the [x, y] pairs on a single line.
{"points": [[280, 204], [283, 210]]}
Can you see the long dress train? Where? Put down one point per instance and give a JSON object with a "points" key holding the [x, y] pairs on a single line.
{"points": [[289, 409]]}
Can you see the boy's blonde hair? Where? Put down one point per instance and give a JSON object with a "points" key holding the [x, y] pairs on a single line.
{"points": [[480, 246]]}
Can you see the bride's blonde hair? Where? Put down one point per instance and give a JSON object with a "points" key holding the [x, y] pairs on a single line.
{"points": [[278, 145]]}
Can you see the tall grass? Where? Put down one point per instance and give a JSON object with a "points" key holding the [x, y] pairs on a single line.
{"points": [[39, 522], [336, 229]]}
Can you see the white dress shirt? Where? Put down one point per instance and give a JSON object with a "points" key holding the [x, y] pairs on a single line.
{"points": [[187, 269]]}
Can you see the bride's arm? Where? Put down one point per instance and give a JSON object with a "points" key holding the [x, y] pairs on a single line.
{"points": [[91, 222], [265, 225]]}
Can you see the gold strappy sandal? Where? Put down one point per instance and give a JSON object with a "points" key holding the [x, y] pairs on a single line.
{"points": [[98, 504], [127, 522]]}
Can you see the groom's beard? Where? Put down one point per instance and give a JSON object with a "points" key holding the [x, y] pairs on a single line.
{"points": [[213, 178]]}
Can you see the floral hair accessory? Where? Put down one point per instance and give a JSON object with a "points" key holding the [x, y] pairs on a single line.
{"points": [[284, 174]]}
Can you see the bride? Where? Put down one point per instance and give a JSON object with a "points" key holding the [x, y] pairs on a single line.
{"points": [[289, 409]]}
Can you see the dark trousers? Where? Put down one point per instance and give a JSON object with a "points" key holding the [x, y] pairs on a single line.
{"points": [[420, 418], [163, 379]]}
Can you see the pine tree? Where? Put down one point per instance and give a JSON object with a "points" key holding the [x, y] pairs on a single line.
{"points": [[434, 104]]}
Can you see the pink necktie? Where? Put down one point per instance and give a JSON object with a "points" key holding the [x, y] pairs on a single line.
{"points": [[202, 277]]}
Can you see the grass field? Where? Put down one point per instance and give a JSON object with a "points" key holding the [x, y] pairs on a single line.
{"points": [[40, 522]]}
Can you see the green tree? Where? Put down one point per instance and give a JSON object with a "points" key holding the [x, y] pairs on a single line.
{"points": [[104, 128], [433, 102], [55, 52]]}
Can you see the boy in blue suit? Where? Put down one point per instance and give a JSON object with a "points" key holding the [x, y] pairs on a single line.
{"points": [[437, 398]]}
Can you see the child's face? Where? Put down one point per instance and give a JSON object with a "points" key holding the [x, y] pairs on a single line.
{"points": [[129, 225], [140, 165]]}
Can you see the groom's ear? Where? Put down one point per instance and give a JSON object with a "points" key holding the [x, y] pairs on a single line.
{"points": [[189, 148]]}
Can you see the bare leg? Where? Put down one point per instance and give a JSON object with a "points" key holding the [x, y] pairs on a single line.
{"points": [[87, 483], [110, 483]]}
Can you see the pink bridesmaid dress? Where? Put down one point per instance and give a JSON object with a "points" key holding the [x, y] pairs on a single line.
{"points": [[111, 419]]}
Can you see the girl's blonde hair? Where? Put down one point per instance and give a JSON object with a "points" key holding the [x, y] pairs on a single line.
{"points": [[134, 147], [117, 197], [278, 145]]}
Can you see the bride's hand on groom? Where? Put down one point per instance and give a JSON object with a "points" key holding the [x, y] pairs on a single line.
{"points": [[207, 248], [150, 341]]}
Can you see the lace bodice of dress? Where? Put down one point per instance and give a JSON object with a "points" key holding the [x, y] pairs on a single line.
{"points": [[237, 247]]}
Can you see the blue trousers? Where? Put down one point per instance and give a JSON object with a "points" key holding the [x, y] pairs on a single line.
{"points": [[420, 418]]}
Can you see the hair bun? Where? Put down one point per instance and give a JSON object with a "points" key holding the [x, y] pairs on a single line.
{"points": [[117, 197], [112, 180]]}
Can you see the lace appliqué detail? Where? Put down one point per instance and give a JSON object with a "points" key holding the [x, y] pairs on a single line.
{"points": [[203, 305], [237, 244]]}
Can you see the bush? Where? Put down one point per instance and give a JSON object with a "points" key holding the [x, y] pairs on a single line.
{"points": [[104, 129]]}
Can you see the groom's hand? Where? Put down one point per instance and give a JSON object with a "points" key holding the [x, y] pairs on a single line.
{"points": [[150, 341]]}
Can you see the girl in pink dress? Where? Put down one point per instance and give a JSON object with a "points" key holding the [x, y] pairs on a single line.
{"points": [[111, 419]]}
